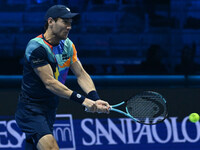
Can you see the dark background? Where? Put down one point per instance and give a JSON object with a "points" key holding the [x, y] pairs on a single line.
{"points": [[144, 39], [182, 94], [112, 37]]}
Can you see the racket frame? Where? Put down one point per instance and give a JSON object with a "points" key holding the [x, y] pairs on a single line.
{"points": [[113, 108]]}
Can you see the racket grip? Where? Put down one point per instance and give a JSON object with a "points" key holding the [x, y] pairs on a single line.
{"points": [[86, 109]]}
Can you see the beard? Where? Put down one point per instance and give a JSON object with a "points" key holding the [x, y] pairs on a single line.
{"points": [[61, 36]]}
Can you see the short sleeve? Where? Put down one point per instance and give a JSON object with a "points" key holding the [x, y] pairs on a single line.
{"points": [[38, 57]]}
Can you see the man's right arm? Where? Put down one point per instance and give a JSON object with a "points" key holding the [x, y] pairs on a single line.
{"points": [[46, 75]]}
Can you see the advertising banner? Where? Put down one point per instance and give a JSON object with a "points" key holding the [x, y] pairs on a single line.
{"points": [[110, 133]]}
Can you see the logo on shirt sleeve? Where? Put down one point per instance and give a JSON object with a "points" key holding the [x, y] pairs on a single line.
{"points": [[37, 61]]}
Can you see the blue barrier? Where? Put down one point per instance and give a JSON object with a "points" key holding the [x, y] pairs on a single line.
{"points": [[171, 81]]}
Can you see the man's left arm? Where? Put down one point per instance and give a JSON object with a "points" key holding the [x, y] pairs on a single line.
{"points": [[84, 80]]}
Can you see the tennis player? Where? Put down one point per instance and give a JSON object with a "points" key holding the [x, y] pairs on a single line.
{"points": [[47, 60]]}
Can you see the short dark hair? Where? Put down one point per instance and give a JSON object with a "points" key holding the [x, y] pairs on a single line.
{"points": [[46, 24]]}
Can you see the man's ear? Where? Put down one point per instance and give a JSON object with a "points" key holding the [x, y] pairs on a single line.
{"points": [[50, 21]]}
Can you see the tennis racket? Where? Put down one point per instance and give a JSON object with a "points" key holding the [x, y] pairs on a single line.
{"points": [[147, 108]]}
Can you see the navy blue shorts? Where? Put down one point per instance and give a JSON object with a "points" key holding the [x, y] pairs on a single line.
{"points": [[35, 121]]}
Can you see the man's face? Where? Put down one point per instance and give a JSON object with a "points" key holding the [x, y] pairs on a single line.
{"points": [[61, 28]]}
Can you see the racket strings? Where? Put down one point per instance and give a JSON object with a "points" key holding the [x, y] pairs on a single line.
{"points": [[146, 107]]}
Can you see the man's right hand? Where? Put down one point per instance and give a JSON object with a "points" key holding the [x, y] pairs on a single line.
{"points": [[98, 106]]}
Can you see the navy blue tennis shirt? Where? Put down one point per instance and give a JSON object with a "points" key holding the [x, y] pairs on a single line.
{"points": [[39, 53], [32, 85]]}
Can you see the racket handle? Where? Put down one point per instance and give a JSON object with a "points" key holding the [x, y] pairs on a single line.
{"points": [[86, 109]]}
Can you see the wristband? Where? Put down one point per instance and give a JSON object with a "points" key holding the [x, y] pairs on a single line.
{"points": [[93, 95], [77, 97]]}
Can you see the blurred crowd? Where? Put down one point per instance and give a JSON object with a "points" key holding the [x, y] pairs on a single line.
{"points": [[111, 36]]}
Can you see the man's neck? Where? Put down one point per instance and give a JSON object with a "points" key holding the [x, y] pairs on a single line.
{"points": [[51, 38]]}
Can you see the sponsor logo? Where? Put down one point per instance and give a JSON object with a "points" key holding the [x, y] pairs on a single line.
{"points": [[36, 61], [126, 131], [64, 132], [89, 133], [78, 95], [10, 135], [65, 57]]}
